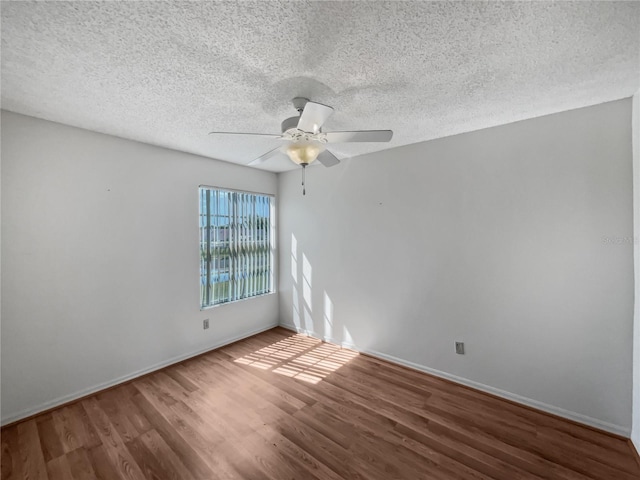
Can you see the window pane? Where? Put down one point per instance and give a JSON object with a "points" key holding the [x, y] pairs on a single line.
{"points": [[235, 246]]}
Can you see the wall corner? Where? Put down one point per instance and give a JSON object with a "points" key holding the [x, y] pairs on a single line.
{"points": [[635, 138]]}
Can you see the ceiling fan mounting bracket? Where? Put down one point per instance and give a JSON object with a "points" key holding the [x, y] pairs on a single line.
{"points": [[299, 103]]}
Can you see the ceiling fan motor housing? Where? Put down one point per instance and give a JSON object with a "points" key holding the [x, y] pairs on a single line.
{"points": [[289, 123]]}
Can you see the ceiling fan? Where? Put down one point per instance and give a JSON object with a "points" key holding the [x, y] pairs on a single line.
{"points": [[304, 139]]}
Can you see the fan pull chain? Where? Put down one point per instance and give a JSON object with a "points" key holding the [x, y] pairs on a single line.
{"points": [[304, 191]]}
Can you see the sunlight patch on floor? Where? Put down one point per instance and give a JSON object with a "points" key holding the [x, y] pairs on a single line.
{"points": [[300, 357]]}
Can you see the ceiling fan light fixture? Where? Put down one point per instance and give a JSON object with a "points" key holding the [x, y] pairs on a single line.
{"points": [[304, 153]]}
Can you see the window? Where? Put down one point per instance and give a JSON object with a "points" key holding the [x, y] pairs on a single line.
{"points": [[236, 238]]}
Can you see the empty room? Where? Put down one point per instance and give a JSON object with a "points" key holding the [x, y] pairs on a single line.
{"points": [[317, 240]]}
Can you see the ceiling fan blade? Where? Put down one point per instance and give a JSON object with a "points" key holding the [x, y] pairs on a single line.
{"points": [[328, 159], [359, 136], [263, 158], [271, 135], [313, 117]]}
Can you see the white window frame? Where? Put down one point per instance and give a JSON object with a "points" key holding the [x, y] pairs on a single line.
{"points": [[237, 289]]}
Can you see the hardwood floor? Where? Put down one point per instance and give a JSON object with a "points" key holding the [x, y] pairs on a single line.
{"points": [[283, 406]]}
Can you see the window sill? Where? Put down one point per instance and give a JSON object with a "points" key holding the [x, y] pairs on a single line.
{"points": [[202, 309]]}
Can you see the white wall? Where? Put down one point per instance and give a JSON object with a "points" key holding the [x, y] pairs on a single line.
{"points": [[635, 434], [514, 239], [100, 261]]}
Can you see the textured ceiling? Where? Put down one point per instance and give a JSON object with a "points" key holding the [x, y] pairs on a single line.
{"points": [[166, 73]]}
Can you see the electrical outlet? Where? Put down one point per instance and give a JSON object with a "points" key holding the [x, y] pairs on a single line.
{"points": [[205, 323], [460, 348]]}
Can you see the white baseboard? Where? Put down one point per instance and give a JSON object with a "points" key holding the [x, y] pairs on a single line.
{"points": [[27, 412], [561, 412]]}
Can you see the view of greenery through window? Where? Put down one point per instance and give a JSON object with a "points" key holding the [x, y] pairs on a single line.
{"points": [[235, 245]]}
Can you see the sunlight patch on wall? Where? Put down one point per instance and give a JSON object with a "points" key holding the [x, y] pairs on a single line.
{"points": [[294, 270], [296, 307], [306, 293], [296, 303], [346, 336], [328, 316], [296, 318], [307, 319], [306, 281], [294, 258], [306, 268]]}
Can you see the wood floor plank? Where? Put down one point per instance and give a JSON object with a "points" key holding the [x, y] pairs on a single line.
{"points": [[115, 410], [117, 454], [198, 431], [297, 454], [156, 445], [184, 419], [12, 465], [59, 468], [523, 415], [80, 465], [66, 428], [31, 452], [320, 447], [49, 439], [284, 406], [101, 465], [134, 414], [6, 461], [152, 463], [86, 429], [180, 379], [194, 463], [497, 447]]}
